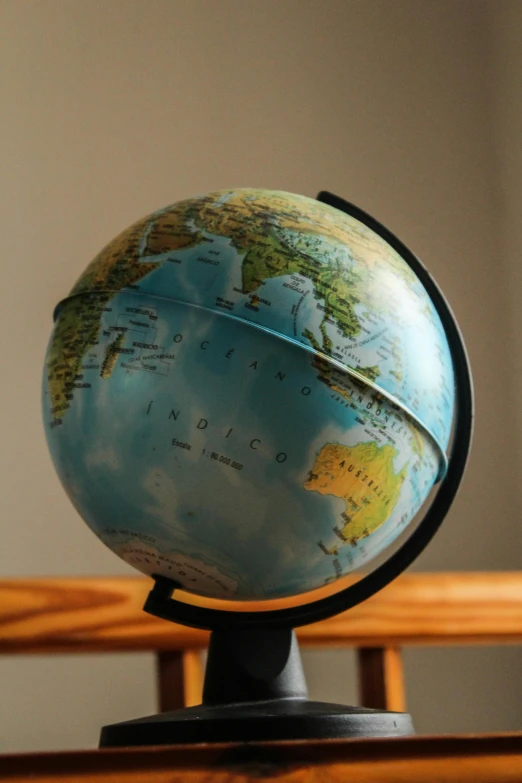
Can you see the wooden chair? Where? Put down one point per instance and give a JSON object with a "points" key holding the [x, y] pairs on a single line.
{"points": [[105, 615]]}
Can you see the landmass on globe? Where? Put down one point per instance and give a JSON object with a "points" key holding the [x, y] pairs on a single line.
{"points": [[364, 477]]}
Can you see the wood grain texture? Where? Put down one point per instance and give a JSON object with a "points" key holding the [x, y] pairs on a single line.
{"points": [[381, 678], [170, 677], [180, 679], [105, 614], [457, 759], [193, 677]]}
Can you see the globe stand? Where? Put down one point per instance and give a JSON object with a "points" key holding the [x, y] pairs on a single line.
{"points": [[254, 689], [254, 684]]}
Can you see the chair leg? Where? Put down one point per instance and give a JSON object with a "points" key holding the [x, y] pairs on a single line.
{"points": [[381, 679], [180, 679]]}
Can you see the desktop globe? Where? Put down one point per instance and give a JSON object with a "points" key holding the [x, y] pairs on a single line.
{"points": [[249, 395], [249, 392]]}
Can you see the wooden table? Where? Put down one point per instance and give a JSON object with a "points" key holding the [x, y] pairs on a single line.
{"points": [[448, 759]]}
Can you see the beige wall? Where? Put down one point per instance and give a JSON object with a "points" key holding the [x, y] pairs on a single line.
{"points": [[506, 27], [112, 108]]}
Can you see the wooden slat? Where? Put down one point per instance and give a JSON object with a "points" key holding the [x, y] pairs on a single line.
{"points": [[180, 679], [105, 614], [381, 678], [170, 677], [459, 759], [193, 677]]}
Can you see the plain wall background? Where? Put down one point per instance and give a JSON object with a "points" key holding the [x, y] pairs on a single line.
{"points": [[112, 108]]}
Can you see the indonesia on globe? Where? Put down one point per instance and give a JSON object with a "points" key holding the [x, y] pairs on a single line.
{"points": [[248, 392]]}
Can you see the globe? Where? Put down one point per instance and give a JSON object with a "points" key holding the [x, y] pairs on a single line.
{"points": [[248, 392]]}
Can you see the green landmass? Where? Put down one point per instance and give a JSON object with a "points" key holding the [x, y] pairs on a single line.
{"points": [[363, 476], [309, 335], [111, 356], [372, 372], [76, 332], [78, 324], [118, 265], [397, 371]]}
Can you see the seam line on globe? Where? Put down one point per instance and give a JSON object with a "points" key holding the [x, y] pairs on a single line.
{"points": [[324, 357]]}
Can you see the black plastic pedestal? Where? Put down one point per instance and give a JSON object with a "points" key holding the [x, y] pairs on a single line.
{"points": [[277, 719], [255, 690]]}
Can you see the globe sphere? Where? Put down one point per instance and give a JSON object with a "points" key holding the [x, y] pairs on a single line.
{"points": [[249, 392]]}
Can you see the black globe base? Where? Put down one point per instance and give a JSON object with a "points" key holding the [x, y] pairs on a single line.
{"points": [[276, 719], [254, 690]]}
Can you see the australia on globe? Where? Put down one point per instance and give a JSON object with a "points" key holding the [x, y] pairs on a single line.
{"points": [[249, 392]]}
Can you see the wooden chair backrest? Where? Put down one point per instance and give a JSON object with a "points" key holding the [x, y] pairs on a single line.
{"points": [[98, 614]]}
